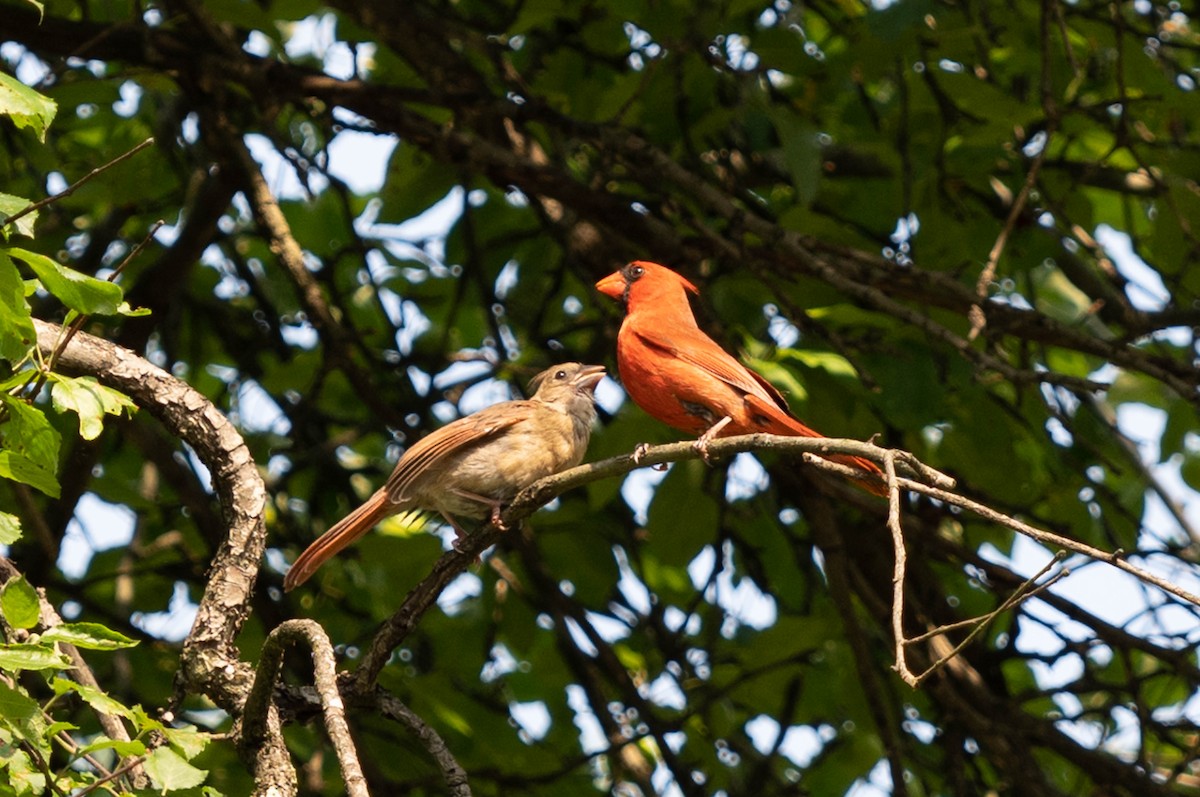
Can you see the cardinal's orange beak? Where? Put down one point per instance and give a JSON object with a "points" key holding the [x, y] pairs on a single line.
{"points": [[613, 285]]}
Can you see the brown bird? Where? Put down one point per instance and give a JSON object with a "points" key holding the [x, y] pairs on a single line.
{"points": [[680, 376], [474, 465]]}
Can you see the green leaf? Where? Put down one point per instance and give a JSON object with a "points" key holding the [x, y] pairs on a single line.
{"points": [[17, 707], [92, 636], [16, 326], [143, 722], [25, 106], [19, 603], [133, 312], [76, 290], [168, 770], [415, 181], [23, 776], [10, 204], [120, 748], [801, 152], [188, 742], [23, 714], [10, 528], [30, 446], [31, 657], [92, 696], [21, 468], [91, 400]]}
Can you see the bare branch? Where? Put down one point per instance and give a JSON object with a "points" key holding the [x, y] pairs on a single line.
{"points": [[456, 777], [210, 659], [66, 192], [454, 562], [256, 724]]}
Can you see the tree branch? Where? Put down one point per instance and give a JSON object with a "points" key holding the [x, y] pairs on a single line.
{"points": [[210, 658], [260, 720]]}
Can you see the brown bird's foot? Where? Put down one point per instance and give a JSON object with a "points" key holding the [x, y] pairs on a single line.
{"points": [[639, 451], [498, 521], [496, 507], [460, 536], [460, 539], [701, 444]]}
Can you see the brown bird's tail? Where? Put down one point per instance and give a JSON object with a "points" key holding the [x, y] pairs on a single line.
{"points": [[341, 535], [783, 423]]}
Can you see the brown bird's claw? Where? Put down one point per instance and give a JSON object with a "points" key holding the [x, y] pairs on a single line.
{"points": [[460, 543], [639, 451], [498, 521]]}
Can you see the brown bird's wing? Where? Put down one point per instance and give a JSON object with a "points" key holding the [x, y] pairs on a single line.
{"points": [[698, 349], [427, 454]]}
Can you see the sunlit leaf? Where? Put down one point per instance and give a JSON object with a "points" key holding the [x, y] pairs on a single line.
{"points": [[92, 636], [24, 106], [170, 771], [19, 602], [23, 656], [77, 291], [91, 401]]}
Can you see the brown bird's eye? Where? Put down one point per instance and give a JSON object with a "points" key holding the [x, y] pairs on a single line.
{"points": [[560, 374]]}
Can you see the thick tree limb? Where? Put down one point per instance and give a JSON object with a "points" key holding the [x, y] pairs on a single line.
{"points": [[210, 661]]}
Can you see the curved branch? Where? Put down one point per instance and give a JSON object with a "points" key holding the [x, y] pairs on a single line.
{"points": [[456, 777], [210, 659], [260, 721]]}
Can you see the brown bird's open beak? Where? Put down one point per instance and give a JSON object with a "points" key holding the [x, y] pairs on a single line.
{"points": [[588, 377], [613, 285]]}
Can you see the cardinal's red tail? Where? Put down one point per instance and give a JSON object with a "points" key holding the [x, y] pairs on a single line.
{"points": [[777, 421], [341, 535]]}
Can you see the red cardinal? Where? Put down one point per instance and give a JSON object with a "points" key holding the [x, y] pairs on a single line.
{"points": [[680, 376]]}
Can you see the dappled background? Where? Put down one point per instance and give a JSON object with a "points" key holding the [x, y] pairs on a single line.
{"points": [[971, 235]]}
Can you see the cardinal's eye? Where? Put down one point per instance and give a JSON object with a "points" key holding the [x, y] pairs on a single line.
{"points": [[636, 271], [560, 374]]}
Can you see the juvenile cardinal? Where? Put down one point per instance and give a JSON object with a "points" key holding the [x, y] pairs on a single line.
{"points": [[473, 466], [680, 376]]}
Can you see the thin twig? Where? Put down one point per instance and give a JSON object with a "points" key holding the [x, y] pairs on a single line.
{"points": [[1028, 589], [901, 561], [453, 562], [80, 671], [73, 328], [975, 312], [66, 192], [1114, 558], [116, 773]]}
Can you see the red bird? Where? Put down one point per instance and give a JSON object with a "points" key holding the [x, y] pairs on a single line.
{"points": [[680, 376]]}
